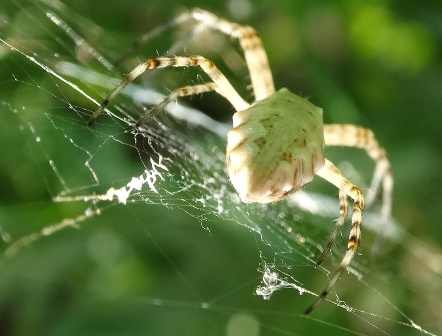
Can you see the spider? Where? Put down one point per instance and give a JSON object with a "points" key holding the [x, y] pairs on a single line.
{"points": [[276, 144]]}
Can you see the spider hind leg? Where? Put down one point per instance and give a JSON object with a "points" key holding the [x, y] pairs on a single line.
{"points": [[330, 173], [343, 210]]}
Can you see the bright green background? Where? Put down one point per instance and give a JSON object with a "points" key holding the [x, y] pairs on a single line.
{"points": [[377, 64]]}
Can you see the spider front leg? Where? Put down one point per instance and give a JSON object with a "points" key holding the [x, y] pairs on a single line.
{"points": [[330, 173], [222, 84], [255, 55]]}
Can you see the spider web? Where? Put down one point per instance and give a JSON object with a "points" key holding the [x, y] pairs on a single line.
{"points": [[161, 242]]}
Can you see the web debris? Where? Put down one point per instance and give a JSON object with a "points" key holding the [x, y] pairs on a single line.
{"points": [[149, 177], [272, 282]]}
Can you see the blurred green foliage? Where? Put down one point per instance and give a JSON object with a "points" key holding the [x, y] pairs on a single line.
{"points": [[377, 64]]}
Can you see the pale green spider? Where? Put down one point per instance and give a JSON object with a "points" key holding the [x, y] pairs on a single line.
{"points": [[276, 145]]}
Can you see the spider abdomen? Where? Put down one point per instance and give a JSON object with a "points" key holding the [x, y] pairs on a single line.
{"points": [[275, 147]]}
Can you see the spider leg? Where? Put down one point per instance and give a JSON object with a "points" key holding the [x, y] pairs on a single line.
{"points": [[181, 92], [255, 55], [343, 210], [330, 173], [356, 136], [223, 86]]}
